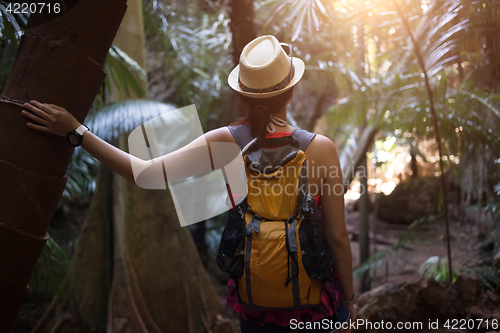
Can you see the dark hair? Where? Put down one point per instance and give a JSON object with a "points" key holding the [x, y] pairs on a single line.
{"points": [[260, 110]]}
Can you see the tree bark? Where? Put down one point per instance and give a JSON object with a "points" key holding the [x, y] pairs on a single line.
{"points": [[60, 59], [243, 31], [198, 235], [159, 282], [243, 27]]}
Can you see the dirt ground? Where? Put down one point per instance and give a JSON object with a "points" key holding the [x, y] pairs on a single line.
{"points": [[424, 242]]}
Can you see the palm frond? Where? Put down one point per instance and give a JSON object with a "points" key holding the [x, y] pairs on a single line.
{"points": [[124, 116], [485, 274], [81, 173], [435, 267], [125, 72], [53, 273], [303, 13], [195, 46], [12, 25]]}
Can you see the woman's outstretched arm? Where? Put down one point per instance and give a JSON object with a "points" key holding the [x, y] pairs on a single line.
{"points": [[180, 164]]}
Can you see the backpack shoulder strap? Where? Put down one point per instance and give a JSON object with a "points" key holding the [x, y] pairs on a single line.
{"points": [[241, 134], [304, 137]]}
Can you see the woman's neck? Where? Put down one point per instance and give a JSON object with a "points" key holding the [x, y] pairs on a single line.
{"points": [[282, 115]]}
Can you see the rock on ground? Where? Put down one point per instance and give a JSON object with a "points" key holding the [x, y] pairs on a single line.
{"points": [[425, 301]]}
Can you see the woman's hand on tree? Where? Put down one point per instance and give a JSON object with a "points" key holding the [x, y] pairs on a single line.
{"points": [[49, 118]]}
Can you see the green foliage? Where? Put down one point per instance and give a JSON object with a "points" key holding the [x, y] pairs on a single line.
{"points": [[53, 273], [437, 268], [195, 43], [485, 274], [81, 173], [12, 26], [300, 15], [125, 73], [109, 121]]}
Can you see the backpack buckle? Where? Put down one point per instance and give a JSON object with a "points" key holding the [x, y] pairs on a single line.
{"points": [[254, 224]]}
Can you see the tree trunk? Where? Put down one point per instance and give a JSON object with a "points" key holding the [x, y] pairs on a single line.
{"points": [[86, 311], [413, 162], [364, 224], [243, 27], [59, 61], [364, 200], [159, 281], [198, 235], [243, 31]]}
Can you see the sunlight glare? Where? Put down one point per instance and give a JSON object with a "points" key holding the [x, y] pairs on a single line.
{"points": [[425, 5], [388, 187]]}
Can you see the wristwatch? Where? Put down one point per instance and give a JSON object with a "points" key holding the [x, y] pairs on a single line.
{"points": [[75, 137]]}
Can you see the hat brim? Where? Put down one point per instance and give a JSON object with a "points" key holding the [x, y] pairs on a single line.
{"points": [[233, 81]]}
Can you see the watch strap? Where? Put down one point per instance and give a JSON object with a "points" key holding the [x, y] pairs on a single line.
{"points": [[81, 129], [77, 134]]}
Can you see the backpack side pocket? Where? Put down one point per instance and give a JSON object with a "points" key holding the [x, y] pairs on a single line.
{"points": [[230, 256], [313, 244]]}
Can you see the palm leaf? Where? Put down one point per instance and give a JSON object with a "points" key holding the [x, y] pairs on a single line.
{"points": [[12, 25], [124, 116], [304, 13], [195, 46], [125, 72], [81, 173], [52, 269]]}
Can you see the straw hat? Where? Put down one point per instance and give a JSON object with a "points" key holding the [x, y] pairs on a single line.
{"points": [[265, 69]]}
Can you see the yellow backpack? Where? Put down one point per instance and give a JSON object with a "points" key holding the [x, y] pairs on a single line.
{"points": [[273, 244]]}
